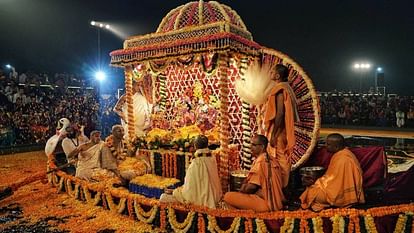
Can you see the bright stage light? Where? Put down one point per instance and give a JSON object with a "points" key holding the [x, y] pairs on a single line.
{"points": [[100, 75], [93, 23], [101, 25], [107, 26], [8, 66], [357, 66], [379, 69]]}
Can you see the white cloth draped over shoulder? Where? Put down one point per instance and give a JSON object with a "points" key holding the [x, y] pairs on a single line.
{"points": [[142, 114], [201, 183], [89, 163]]}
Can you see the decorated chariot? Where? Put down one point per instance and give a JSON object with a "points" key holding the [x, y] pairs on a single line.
{"points": [[187, 71]]}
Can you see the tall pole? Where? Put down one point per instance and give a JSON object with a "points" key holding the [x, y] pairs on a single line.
{"points": [[99, 48]]}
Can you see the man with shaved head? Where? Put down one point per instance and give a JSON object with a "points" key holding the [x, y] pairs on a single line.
{"points": [[262, 189], [341, 185]]}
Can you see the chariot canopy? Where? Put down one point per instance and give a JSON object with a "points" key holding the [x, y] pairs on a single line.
{"points": [[198, 51]]}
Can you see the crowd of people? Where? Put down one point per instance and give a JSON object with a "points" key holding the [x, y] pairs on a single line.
{"points": [[29, 112], [367, 110], [31, 103]]}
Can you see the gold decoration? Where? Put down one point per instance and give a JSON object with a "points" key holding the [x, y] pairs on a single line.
{"points": [[180, 227]]}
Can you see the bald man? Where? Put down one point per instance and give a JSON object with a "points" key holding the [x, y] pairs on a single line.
{"points": [[262, 189], [341, 185]]}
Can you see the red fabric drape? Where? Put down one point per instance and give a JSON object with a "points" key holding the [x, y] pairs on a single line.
{"points": [[372, 160]]}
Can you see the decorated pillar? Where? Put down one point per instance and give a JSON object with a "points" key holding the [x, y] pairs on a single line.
{"points": [[130, 102], [245, 155], [224, 120], [163, 91]]}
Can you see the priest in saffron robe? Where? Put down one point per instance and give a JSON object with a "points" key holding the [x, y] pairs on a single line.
{"points": [[279, 115], [341, 185], [201, 183], [262, 189]]}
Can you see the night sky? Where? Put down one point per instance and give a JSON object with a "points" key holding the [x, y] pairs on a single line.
{"points": [[324, 37]]}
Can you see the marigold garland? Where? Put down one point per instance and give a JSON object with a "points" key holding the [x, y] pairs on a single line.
{"points": [[73, 192], [400, 226], [370, 224], [61, 183], [171, 165], [163, 219], [304, 227], [164, 164], [93, 201], [339, 217], [130, 206], [175, 165], [213, 227], [355, 220], [201, 224], [109, 141], [261, 226], [114, 207], [147, 217], [317, 225], [180, 227], [287, 226]]}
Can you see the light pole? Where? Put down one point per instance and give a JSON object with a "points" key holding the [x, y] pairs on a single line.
{"points": [[361, 68], [12, 73], [99, 26]]}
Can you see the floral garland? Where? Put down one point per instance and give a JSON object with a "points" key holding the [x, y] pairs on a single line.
{"points": [[370, 224], [152, 162], [94, 201], [317, 225], [400, 226], [248, 224], [61, 183], [73, 192], [213, 227], [260, 226], [287, 226], [147, 217], [163, 92], [352, 220], [109, 141], [180, 227], [114, 207], [304, 227], [201, 224]]}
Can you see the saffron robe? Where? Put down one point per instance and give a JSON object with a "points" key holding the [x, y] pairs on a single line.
{"points": [[285, 140], [269, 197], [340, 186]]}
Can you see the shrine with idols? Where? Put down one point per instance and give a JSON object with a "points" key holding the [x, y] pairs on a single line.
{"points": [[187, 70]]}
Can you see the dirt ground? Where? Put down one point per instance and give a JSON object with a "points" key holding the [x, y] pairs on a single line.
{"points": [[37, 207]]}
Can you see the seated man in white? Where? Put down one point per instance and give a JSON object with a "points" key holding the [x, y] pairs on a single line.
{"points": [[89, 165], [201, 183]]}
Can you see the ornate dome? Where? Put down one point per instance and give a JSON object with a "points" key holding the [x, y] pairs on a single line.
{"points": [[198, 14]]}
